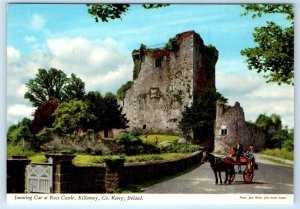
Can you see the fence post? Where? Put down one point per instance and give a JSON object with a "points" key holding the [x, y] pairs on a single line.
{"points": [[16, 168], [62, 172]]}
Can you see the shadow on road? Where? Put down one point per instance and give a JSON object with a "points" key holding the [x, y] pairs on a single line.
{"points": [[253, 182]]}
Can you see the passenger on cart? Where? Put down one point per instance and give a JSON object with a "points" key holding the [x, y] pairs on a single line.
{"points": [[250, 156]]}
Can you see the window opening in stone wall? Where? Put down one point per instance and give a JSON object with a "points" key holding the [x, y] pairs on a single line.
{"points": [[144, 126], [223, 130], [158, 61], [154, 92]]}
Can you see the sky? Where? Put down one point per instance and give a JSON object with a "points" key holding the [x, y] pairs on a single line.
{"points": [[66, 37]]}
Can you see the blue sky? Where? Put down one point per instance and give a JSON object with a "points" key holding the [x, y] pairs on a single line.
{"points": [[66, 37]]}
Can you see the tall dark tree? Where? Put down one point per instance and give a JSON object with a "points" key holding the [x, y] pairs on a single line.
{"points": [[95, 103], [113, 117], [107, 12], [53, 83], [200, 117], [106, 110], [274, 54], [43, 117]]}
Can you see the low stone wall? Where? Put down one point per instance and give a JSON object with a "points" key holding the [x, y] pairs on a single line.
{"points": [[69, 178], [139, 172], [89, 179]]}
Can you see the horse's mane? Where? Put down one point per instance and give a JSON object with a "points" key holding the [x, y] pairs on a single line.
{"points": [[213, 159]]}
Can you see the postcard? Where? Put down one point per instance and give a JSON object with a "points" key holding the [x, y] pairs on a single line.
{"points": [[150, 103]]}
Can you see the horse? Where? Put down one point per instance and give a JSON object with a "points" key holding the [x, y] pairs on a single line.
{"points": [[218, 165]]}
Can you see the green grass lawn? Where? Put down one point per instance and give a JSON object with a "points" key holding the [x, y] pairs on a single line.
{"points": [[92, 159], [161, 138], [281, 153]]}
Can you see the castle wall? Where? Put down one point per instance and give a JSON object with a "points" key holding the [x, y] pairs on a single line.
{"points": [[159, 95], [231, 125]]}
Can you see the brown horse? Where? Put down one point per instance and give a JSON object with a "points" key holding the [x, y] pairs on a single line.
{"points": [[218, 165]]}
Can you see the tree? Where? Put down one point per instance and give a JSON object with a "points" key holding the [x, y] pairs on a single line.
{"points": [[95, 103], [277, 135], [107, 112], [70, 115], [112, 117], [107, 12], [21, 131], [53, 83], [200, 117], [43, 117], [74, 88], [274, 54]]}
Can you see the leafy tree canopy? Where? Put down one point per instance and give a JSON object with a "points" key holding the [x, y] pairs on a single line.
{"points": [[113, 117], [70, 115], [18, 132], [274, 54], [53, 83], [201, 115], [107, 112], [107, 12], [277, 135]]}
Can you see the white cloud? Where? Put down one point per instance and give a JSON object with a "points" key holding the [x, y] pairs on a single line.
{"points": [[21, 90], [20, 110], [13, 55], [256, 96], [99, 63], [37, 22]]}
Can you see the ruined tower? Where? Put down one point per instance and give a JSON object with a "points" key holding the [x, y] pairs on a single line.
{"points": [[167, 80], [231, 125]]}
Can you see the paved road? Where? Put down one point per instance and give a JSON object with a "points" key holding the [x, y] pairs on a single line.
{"points": [[269, 179]]}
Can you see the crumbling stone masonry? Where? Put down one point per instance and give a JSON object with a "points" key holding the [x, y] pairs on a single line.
{"points": [[231, 125], [168, 81]]}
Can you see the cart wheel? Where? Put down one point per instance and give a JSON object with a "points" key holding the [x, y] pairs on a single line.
{"points": [[248, 176]]}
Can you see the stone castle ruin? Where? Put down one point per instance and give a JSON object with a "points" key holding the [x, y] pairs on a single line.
{"points": [[231, 125], [169, 79]]}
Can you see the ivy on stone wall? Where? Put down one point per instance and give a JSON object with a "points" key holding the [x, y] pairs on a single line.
{"points": [[121, 93], [172, 45], [212, 54], [136, 68]]}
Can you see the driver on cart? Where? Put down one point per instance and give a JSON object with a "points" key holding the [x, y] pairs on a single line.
{"points": [[237, 152]]}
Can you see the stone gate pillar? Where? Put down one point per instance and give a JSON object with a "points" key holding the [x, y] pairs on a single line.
{"points": [[113, 174], [16, 168], [62, 172]]}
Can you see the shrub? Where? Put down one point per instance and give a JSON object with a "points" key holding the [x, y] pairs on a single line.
{"points": [[43, 137], [288, 144], [126, 138], [132, 145], [281, 153], [17, 150]]}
